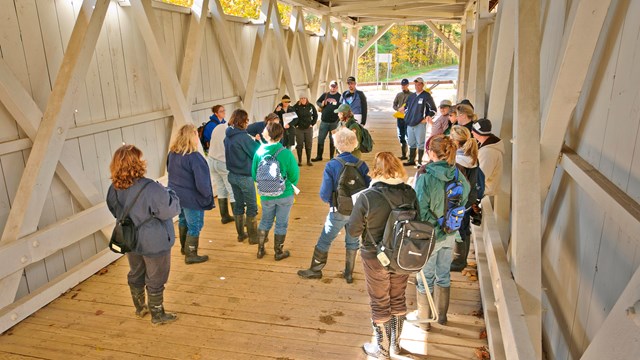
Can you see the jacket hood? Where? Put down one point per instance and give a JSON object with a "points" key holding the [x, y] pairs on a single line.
{"points": [[495, 143], [465, 160], [441, 170], [268, 149], [232, 131], [215, 119]]}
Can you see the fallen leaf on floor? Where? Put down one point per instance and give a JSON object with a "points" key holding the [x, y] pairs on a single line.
{"points": [[99, 312], [482, 353]]}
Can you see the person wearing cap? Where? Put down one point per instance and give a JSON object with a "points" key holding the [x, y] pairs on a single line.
{"points": [[348, 121], [442, 125], [328, 102], [307, 116], [419, 111], [399, 104], [466, 117], [356, 100], [490, 153], [289, 138]]}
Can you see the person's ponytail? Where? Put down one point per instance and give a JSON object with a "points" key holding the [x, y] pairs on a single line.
{"points": [[444, 148]]}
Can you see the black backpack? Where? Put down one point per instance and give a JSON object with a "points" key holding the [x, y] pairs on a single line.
{"points": [[124, 237], [407, 242], [350, 182], [205, 144]]}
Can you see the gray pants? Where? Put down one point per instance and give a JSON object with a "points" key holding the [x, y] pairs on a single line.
{"points": [[304, 139], [150, 271]]}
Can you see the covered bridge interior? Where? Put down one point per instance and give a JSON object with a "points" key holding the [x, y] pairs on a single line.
{"points": [[558, 250]]}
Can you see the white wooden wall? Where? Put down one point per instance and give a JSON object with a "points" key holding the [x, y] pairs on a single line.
{"points": [[588, 258], [121, 100]]}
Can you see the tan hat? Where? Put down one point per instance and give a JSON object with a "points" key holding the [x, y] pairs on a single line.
{"points": [[419, 80], [445, 103]]}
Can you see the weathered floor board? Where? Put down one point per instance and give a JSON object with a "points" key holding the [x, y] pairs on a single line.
{"points": [[238, 307]]}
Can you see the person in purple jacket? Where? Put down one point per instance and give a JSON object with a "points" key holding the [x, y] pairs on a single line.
{"points": [[189, 177]]}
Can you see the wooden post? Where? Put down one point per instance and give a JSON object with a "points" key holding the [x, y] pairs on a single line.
{"points": [[282, 47], [526, 230]]}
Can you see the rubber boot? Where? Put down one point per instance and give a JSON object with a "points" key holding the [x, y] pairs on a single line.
{"points": [[158, 316], [460, 253], [278, 244], [412, 158], [299, 152], [262, 237], [319, 153], [332, 149], [308, 153], [397, 321], [380, 348], [252, 230], [240, 227], [442, 303], [137, 295], [404, 152], [349, 264], [318, 261], [223, 204], [424, 311], [420, 156], [182, 231], [191, 249]]}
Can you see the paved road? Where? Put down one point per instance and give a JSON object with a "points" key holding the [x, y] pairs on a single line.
{"points": [[448, 73]]}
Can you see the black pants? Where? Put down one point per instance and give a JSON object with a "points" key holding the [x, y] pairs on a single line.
{"points": [[402, 131], [150, 271], [304, 139], [386, 290]]}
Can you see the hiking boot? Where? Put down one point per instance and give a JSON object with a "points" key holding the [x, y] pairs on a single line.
{"points": [[158, 316], [240, 227], [349, 264], [223, 205], [318, 261], [137, 295], [380, 348], [191, 249], [278, 244], [182, 231]]}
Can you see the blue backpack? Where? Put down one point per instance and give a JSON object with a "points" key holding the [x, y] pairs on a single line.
{"points": [[453, 208], [268, 176], [480, 183]]}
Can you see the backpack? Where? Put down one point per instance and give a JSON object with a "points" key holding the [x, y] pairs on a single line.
{"points": [[475, 176], [268, 176], [350, 182], [480, 180], [124, 237], [407, 242], [366, 145], [453, 208], [205, 144]]}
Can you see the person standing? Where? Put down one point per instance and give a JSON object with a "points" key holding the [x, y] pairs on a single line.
{"points": [[153, 211], [399, 104], [257, 128], [419, 111], [190, 178], [329, 102], [466, 117], [216, 118], [289, 138], [275, 207], [356, 100], [348, 121], [240, 148], [369, 219], [218, 168], [335, 222], [307, 116], [490, 154]]}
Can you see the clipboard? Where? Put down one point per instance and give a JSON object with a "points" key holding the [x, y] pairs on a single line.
{"points": [[288, 117]]}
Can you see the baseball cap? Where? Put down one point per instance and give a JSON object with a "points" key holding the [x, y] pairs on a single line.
{"points": [[482, 127], [342, 108], [404, 82], [333, 83], [351, 79], [445, 103], [419, 80]]}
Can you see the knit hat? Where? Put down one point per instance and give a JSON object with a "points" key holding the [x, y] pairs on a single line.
{"points": [[482, 127], [342, 108], [303, 94]]}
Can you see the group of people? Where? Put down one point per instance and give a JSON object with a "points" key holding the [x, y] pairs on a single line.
{"points": [[241, 158]]}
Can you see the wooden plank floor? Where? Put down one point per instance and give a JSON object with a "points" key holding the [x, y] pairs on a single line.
{"points": [[238, 307]]}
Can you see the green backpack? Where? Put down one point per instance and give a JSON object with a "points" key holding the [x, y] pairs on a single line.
{"points": [[366, 145]]}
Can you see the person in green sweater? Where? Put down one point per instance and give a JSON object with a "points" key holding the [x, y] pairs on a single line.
{"points": [[347, 120], [275, 207]]}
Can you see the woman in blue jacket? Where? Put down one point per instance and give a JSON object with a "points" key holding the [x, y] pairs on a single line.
{"points": [[239, 148], [152, 212], [189, 177]]}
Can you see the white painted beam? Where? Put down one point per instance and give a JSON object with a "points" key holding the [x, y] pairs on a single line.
{"points": [[321, 58], [374, 39], [399, 4], [303, 42], [231, 58], [284, 53], [443, 37], [193, 48]]}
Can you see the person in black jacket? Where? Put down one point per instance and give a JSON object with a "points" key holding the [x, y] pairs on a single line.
{"points": [[329, 102], [356, 99], [368, 220], [289, 138], [307, 117]]}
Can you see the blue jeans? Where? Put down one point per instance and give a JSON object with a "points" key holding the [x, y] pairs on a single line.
{"points": [[332, 226], [245, 194], [326, 129], [192, 219], [402, 131], [438, 267], [416, 135], [220, 174], [278, 209]]}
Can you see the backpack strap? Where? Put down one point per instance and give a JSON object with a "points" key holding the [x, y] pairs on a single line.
{"points": [[275, 155]]}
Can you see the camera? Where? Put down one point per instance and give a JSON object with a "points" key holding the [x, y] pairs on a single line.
{"points": [[476, 213]]}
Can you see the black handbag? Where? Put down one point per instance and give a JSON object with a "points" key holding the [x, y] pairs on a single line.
{"points": [[124, 237]]}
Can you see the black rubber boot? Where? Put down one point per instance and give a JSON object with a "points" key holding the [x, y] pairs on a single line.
{"points": [[380, 348], [460, 253], [223, 205], [308, 153], [191, 249], [319, 153], [412, 158], [262, 237], [278, 244], [240, 227], [420, 155], [397, 321], [442, 303], [318, 262], [137, 295], [349, 264], [299, 152], [182, 231], [158, 316], [404, 152], [252, 230]]}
